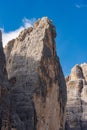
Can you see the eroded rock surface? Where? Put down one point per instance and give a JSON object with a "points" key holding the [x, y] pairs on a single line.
{"points": [[76, 110], [4, 92], [38, 86]]}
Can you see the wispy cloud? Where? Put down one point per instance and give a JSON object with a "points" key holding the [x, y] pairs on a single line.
{"points": [[7, 36], [78, 6], [28, 22], [81, 4]]}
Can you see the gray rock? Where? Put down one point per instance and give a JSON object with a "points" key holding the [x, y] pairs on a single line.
{"points": [[38, 88], [76, 109], [4, 92]]}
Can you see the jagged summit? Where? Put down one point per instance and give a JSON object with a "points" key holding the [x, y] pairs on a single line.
{"points": [[44, 22]]}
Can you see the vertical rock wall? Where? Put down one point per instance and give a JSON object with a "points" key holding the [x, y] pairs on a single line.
{"points": [[38, 89], [4, 93]]}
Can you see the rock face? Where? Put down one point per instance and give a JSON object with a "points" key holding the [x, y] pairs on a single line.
{"points": [[38, 87], [4, 92], [76, 110]]}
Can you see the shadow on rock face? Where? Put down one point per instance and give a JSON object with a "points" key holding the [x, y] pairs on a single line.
{"points": [[29, 77], [77, 117], [23, 77]]}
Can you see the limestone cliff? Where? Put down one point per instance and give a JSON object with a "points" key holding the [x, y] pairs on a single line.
{"points": [[38, 87], [76, 110], [4, 92]]}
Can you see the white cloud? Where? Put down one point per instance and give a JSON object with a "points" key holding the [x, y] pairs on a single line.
{"points": [[28, 22], [78, 6], [81, 5], [7, 36]]}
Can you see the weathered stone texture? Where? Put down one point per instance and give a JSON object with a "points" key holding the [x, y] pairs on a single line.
{"points": [[38, 87], [4, 92], [76, 110]]}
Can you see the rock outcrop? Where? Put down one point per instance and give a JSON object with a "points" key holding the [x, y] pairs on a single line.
{"points": [[38, 86], [4, 92], [76, 110]]}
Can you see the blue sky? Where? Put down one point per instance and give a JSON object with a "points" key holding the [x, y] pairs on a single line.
{"points": [[69, 17]]}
